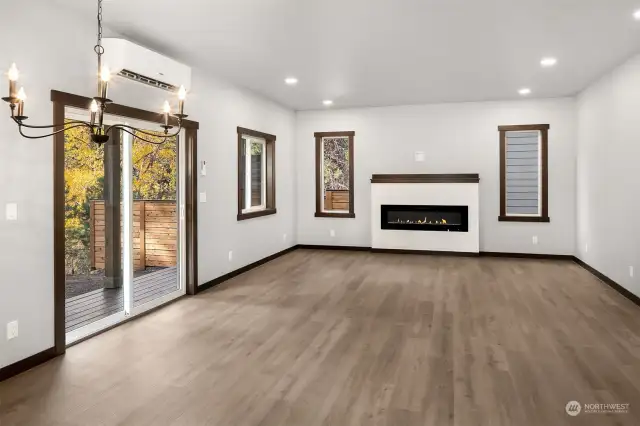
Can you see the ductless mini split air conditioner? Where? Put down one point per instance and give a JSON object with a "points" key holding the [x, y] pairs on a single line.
{"points": [[140, 64]]}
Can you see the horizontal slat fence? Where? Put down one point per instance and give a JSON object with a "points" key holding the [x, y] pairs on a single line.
{"points": [[336, 200], [155, 234]]}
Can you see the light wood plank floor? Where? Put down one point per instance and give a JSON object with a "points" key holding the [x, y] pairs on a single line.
{"points": [[355, 338]]}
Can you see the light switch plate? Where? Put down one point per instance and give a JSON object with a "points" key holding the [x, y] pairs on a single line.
{"points": [[203, 168], [203, 197], [12, 330], [419, 156], [11, 211]]}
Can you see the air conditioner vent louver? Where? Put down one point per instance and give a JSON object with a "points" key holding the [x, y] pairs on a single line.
{"points": [[148, 81], [141, 65]]}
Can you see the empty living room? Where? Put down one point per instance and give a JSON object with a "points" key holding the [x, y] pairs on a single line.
{"points": [[320, 212]]}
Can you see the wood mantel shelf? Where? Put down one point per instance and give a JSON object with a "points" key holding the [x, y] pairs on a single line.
{"points": [[430, 178]]}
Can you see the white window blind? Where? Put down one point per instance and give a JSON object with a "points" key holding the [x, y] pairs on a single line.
{"points": [[523, 173]]}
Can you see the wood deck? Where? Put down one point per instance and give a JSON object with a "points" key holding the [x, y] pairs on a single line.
{"points": [[98, 304]]}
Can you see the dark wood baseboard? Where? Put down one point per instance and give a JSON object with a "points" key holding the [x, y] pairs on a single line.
{"points": [[426, 252], [26, 364], [244, 269], [608, 281], [442, 253], [527, 255], [321, 247]]}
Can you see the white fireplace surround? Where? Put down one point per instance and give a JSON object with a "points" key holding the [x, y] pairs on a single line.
{"points": [[457, 190]]}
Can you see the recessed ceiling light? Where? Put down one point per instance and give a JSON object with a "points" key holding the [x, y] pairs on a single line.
{"points": [[327, 102], [524, 91], [636, 15], [548, 62], [291, 81]]}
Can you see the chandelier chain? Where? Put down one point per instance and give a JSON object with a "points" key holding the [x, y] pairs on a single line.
{"points": [[98, 48]]}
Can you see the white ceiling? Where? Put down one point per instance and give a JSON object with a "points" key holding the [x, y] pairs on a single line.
{"points": [[385, 52]]}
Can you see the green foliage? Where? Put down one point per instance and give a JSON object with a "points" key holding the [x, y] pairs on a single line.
{"points": [[154, 169], [256, 149]]}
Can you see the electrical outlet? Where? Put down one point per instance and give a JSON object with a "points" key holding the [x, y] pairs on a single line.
{"points": [[203, 197], [11, 211], [535, 240], [332, 232], [12, 330], [631, 271], [230, 255], [586, 248], [284, 238]]}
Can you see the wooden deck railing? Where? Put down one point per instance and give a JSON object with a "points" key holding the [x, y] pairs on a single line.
{"points": [[155, 233]]}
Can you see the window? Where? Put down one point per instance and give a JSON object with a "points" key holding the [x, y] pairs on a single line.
{"points": [[334, 174], [523, 173], [256, 174]]}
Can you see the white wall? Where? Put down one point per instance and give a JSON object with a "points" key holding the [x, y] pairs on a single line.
{"points": [[220, 108], [608, 236], [457, 138], [56, 52]]}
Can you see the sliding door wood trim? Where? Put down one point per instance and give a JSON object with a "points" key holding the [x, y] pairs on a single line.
{"points": [[191, 201], [61, 101], [59, 276]]}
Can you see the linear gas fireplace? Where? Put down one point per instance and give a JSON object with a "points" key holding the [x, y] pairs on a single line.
{"points": [[425, 218]]}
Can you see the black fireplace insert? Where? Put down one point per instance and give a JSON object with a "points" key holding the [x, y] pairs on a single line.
{"points": [[425, 218]]}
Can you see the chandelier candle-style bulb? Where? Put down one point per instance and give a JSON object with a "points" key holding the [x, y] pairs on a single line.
{"points": [[105, 76], [166, 108], [21, 98], [13, 75], [94, 109], [182, 95]]}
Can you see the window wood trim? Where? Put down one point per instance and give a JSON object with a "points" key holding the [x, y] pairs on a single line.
{"points": [[256, 134], [270, 175], [544, 173], [319, 192]]}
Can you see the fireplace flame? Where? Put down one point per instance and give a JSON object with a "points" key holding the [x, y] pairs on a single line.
{"points": [[422, 222]]}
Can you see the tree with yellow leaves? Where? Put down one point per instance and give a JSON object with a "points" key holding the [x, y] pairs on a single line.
{"points": [[154, 178]]}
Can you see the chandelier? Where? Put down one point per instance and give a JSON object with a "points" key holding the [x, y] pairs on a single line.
{"points": [[98, 106]]}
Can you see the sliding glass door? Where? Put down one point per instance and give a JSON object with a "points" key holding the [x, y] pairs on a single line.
{"points": [[93, 272], [131, 211], [152, 214]]}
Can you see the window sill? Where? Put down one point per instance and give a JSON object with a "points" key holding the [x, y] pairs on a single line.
{"points": [[336, 215], [545, 219], [259, 213]]}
